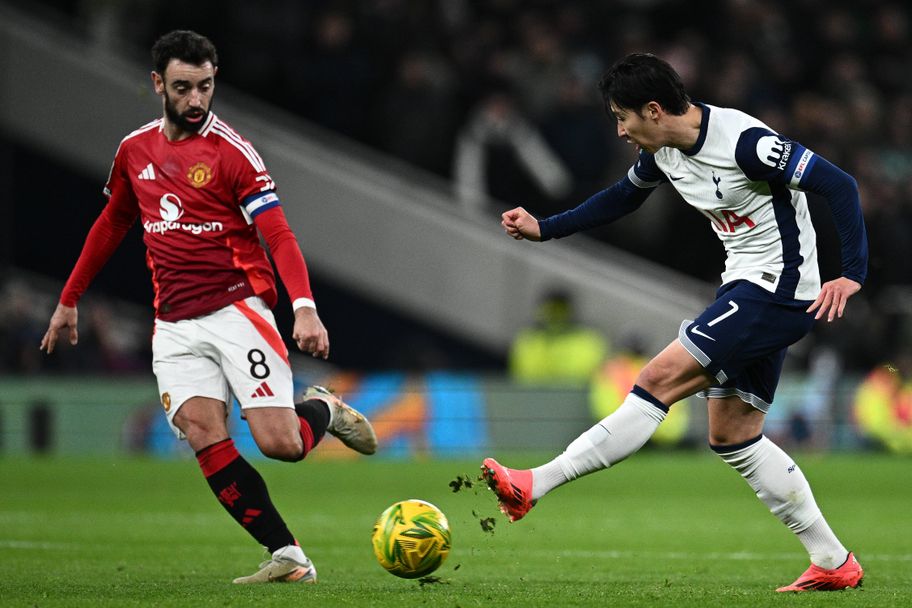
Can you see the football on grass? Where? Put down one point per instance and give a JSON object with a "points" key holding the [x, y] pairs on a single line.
{"points": [[411, 538]]}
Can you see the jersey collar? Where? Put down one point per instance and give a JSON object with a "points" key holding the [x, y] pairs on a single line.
{"points": [[704, 126], [207, 126]]}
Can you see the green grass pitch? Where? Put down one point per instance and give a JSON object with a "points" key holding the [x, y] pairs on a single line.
{"points": [[662, 529]]}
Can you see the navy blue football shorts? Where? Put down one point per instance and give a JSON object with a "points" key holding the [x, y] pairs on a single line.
{"points": [[742, 338]]}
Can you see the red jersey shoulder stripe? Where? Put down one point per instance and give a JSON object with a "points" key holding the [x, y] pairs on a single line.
{"points": [[245, 149], [157, 123], [250, 152], [222, 129], [146, 127], [210, 120]]}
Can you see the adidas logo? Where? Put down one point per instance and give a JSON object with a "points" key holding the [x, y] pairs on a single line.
{"points": [[249, 516], [263, 390], [147, 173]]}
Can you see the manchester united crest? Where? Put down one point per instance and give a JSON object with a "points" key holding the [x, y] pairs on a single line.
{"points": [[199, 175]]}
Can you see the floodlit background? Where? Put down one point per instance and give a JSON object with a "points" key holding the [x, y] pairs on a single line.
{"points": [[397, 131]]}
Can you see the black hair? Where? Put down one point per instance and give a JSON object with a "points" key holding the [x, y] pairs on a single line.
{"points": [[185, 46], [639, 78]]}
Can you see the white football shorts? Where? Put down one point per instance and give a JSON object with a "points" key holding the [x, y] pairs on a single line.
{"points": [[234, 350]]}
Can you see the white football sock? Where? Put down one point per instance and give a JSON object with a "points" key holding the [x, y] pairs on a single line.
{"points": [[610, 441], [782, 487], [822, 545]]}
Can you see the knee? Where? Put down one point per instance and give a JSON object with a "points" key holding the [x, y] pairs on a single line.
{"points": [[652, 377], [285, 447], [720, 437], [733, 422], [661, 377], [200, 429], [733, 436], [673, 374]]}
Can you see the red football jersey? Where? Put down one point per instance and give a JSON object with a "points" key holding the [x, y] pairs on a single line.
{"points": [[196, 200]]}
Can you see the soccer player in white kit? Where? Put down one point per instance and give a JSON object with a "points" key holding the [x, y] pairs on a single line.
{"points": [[203, 195], [749, 181]]}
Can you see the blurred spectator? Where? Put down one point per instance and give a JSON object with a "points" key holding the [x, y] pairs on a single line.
{"points": [[578, 133], [109, 341], [806, 407], [113, 349], [19, 329], [616, 376], [500, 154], [883, 404], [417, 116], [404, 75], [333, 76], [556, 349], [537, 65]]}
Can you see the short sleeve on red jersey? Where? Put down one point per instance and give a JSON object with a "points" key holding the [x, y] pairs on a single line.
{"points": [[243, 164]]}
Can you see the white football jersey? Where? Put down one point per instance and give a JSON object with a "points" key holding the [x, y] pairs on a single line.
{"points": [[744, 178]]}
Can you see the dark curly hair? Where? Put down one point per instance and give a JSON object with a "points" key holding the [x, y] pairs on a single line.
{"points": [[185, 46]]}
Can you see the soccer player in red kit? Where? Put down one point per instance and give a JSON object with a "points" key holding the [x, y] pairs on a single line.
{"points": [[201, 192]]}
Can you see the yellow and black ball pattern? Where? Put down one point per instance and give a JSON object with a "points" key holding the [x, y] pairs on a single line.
{"points": [[411, 538]]}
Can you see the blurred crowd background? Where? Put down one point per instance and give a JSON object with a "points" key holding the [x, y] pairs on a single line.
{"points": [[496, 101], [498, 97]]}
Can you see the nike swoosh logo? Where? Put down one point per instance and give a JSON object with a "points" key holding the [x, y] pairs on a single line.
{"points": [[674, 179], [695, 330]]}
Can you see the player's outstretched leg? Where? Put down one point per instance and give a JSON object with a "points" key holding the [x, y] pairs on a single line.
{"points": [[847, 576], [513, 488], [286, 565], [345, 422], [610, 441]]}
